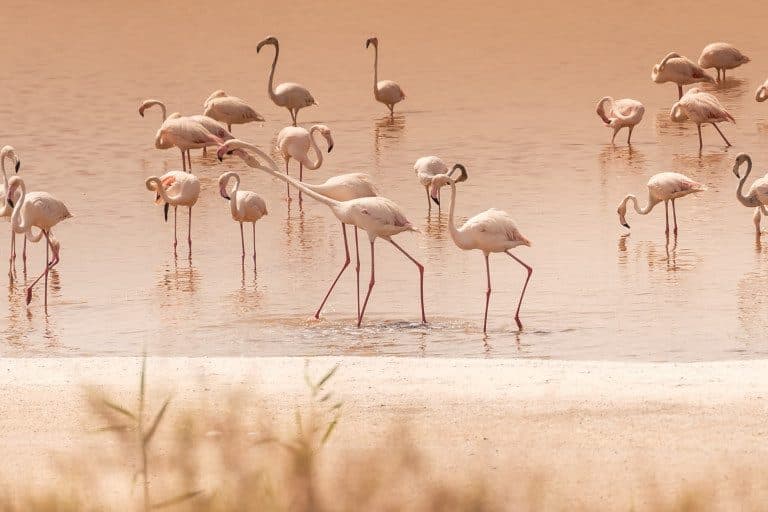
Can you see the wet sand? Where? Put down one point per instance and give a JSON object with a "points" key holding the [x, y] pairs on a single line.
{"points": [[604, 431]]}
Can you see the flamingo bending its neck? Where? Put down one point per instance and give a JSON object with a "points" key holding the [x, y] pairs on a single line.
{"points": [[757, 195], [385, 91], [295, 141], [290, 95], [701, 107], [229, 110], [721, 56], [489, 231], [377, 216], [618, 114], [665, 186], [43, 211], [426, 168], [680, 70], [176, 188], [245, 206]]}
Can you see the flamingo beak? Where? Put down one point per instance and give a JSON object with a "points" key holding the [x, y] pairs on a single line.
{"points": [[436, 200], [165, 211], [10, 202], [18, 165], [330, 147], [224, 194], [625, 225]]}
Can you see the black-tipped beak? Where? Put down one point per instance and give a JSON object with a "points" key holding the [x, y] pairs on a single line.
{"points": [[10, 202], [165, 211], [141, 113], [330, 148], [18, 165], [626, 225], [436, 200], [221, 158]]}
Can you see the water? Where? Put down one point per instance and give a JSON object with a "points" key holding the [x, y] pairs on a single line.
{"points": [[507, 90]]}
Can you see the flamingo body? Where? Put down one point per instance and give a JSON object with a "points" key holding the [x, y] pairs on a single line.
{"points": [[384, 91], [230, 110], [721, 56], [680, 70], [176, 188], [290, 95], [701, 107], [618, 114]]}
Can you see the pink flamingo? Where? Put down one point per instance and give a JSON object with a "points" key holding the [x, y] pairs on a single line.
{"points": [[701, 107], [680, 70], [5, 209], [489, 231], [295, 141], [385, 91], [757, 195], [230, 110], [176, 188], [618, 114], [377, 216], [245, 206], [426, 168], [721, 56], [665, 186], [43, 211]]}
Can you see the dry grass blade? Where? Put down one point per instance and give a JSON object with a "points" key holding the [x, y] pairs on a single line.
{"points": [[178, 499], [119, 409], [156, 422], [115, 428], [329, 431], [327, 376]]}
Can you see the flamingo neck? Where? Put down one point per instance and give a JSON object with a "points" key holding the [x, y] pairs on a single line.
{"points": [[18, 223], [233, 196], [5, 178], [641, 211], [451, 224], [309, 164], [746, 201], [375, 69], [161, 190], [270, 85]]}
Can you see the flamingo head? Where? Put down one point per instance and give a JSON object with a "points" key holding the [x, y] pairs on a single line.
{"points": [[740, 159], [269, 40], [223, 181], [372, 41], [325, 132], [622, 211], [442, 180], [762, 94], [13, 185], [10, 152]]}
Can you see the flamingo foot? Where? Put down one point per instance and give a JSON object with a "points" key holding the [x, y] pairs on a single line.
{"points": [[29, 295]]}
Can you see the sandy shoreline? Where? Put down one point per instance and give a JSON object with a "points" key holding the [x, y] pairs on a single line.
{"points": [[603, 428]]}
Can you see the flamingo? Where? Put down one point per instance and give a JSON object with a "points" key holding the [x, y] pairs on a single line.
{"points": [[5, 209], [385, 91], [618, 114], [343, 187], [186, 132], [757, 196], [665, 186], [230, 110], [426, 168], [377, 216], [246, 206], [681, 70], [43, 211], [290, 95], [701, 107], [489, 231], [176, 188], [295, 141], [762, 92], [721, 56]]}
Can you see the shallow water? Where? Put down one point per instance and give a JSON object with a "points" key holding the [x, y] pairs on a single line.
{"points": [[508, 91]]}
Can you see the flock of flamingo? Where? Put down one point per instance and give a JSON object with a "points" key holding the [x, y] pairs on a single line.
{"points": [[353, 198]]}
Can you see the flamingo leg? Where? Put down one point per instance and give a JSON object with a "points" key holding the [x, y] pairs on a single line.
{"points": [[301, 178], [48, 266], [629, 137], [293, 116], [718, 74], [666, 214], [175, 240], [253, 227], [756, 220], [370, 286], [189, 232], [429, 199], [189, 159], [183, 161], [421, 277], [674, 215], [723, 74], [242, 245], [24, 254], [343, 268], [701, 144], [721, 134], [679, 91], [357, 271], [525, 286], [287, 185], [487, 292], [13, 255], [229, 127], [615, 131]]}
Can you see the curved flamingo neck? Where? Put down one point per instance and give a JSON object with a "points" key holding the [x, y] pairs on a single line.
{"points": [[309, 164], [375, 69], [746, 201], [161, 190], [271, 84], [233, 196], [451, 225], [5, 176], [642, 211]]}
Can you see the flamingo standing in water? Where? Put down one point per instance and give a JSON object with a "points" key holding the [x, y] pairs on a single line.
{"points": [[176, 188], [721, 56], [343, 187], [43, 211], [681, 70], [229, 110], [294, 142], [426, 168], [377, 216], [665, 186], [290, 95], [385, 91], [489, 231], [245, 206], [186, 132], [701, 107], [618, 114], [5, 209], [757, 195]]}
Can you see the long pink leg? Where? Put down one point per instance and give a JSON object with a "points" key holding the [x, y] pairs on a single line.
{"points": [[13, 255], [487, 292], [183, 160], [522, 293], [666, 214], [189, 159], [48, 266], [421, 278], [253, 227], [721, 134], [357, 271], [301, 178], [242, 245], [175, 240], [343, 268], [701, 143], [370, 286], [674, 215], [24, 253], [189, 232], [429, 199], [287, 185]]}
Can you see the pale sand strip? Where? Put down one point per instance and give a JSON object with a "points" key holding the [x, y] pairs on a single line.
{"points": [[597, 429]]}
